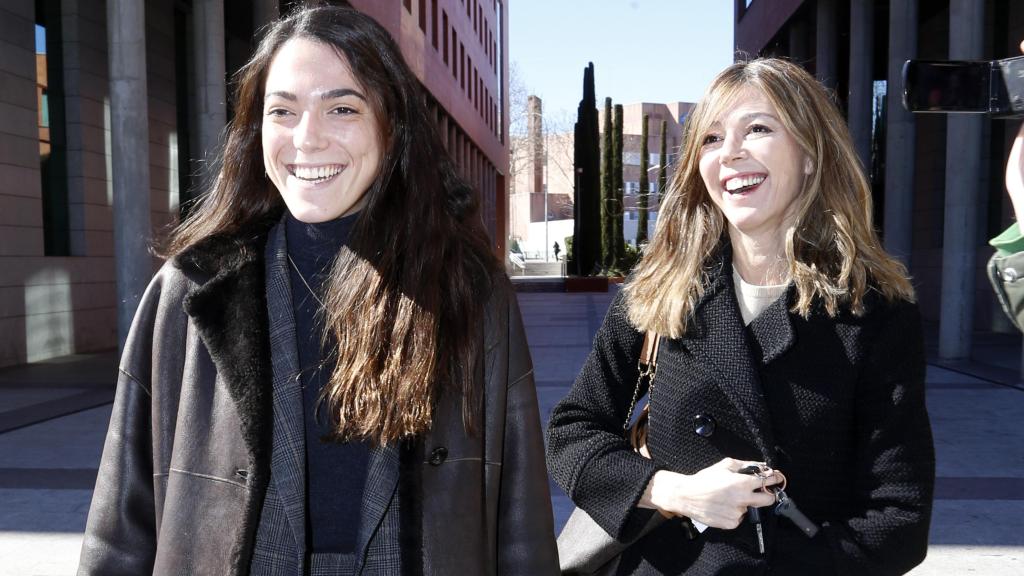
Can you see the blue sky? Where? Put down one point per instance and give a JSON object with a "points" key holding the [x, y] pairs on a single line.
{"points": [[642, 50]]}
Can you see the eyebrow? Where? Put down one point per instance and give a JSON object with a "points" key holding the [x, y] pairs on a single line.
{"points": [[752, 115], [748, 117], [329, 95]]}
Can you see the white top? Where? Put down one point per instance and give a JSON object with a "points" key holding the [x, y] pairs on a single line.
{"points": [[753, 299]]}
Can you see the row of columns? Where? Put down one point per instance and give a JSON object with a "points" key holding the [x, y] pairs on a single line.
{"points": [[963, 146], [129, 127]]}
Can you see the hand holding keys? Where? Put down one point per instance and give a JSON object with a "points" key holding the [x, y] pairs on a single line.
{"points": [[784, 506]]}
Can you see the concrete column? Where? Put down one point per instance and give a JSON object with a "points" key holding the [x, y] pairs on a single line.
{"points": [[826, 44], [129, 151], [211, 113], [900, 137], [963, 173], [862, 55]]}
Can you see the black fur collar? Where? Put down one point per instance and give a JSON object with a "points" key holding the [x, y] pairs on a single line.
{"points": [[229, 309]]}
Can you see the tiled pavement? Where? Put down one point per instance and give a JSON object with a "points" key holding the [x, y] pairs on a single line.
{"points": [[47, 469]]}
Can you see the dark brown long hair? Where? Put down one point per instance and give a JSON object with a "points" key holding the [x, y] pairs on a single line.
{"points": [[405, 298]]}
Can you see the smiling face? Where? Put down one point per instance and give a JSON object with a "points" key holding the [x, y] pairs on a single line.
{"points": [[321, 138], [752, 167]]}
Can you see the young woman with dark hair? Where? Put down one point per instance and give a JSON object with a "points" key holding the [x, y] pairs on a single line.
{"points": [[329, 375]]}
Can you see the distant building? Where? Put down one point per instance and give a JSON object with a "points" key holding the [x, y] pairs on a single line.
{"points": [[57, 263]]}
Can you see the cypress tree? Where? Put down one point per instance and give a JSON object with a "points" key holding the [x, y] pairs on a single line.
{"points": [[619, 241], [607, 192], [585, 255], [663, 166], [641, 199]]}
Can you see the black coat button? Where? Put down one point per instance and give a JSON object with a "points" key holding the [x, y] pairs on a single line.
{"points": [[438, 455], [703, 425]]}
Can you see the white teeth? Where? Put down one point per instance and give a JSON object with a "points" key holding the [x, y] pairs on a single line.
{"points": [[316, 172], [734, 184]]}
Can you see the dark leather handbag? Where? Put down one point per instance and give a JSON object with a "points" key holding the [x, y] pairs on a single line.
{"points": [[583, 546]]}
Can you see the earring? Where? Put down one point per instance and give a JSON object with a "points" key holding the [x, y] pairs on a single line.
{"points": [[808, 167]]}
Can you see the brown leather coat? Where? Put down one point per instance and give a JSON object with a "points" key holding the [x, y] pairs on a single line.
{"points": [[186, 460]]}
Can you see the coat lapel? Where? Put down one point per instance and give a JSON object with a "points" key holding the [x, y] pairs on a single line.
{"points": [[772, 330], [288, 459], [229, 311], [717, 336], [381, 482]]}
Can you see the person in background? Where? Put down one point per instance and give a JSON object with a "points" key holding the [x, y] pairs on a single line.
{"points": [[329, 375], [1006, 267], [791, 348]]}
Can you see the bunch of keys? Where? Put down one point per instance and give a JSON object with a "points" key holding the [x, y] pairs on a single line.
{"points": [[784, 505]]}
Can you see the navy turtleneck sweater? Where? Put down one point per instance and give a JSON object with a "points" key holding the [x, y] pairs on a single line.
{"points": [[335, 472]]}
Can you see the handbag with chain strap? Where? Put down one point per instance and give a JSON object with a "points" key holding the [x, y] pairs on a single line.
{"points": [[583, 546]]}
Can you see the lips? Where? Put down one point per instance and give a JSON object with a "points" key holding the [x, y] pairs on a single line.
{"points": [[743, 183]]}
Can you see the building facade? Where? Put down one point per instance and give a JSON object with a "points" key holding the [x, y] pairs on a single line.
{"points": [[59, 254], [937, 179]]}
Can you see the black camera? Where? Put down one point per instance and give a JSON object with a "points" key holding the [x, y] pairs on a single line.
{"points": [[995, 88]]}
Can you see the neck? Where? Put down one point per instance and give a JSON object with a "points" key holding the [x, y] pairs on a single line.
{"points": [[313, 246], [760, 259]]}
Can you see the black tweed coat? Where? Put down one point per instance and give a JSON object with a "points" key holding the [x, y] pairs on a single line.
{"points": [[836, 403]]}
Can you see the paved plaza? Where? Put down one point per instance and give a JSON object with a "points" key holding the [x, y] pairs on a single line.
{"points": [[53, 419]]}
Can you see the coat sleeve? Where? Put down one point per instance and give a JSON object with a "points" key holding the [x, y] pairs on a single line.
{"points": [[587, 453], [526, 526], [1007, 276], [120, 534], [895, 456]]}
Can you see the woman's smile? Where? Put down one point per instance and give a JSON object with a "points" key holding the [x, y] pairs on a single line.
{"points": [[315, 175], [741, 184]]}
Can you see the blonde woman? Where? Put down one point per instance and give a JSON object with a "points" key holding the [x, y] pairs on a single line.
{"points": [[791, 348]]}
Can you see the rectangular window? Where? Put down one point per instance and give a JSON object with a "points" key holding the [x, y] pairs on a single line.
{"points": [[499, 58], [408, 6], [455, 54], [444, 21], [53, 167], [433, 23], [423, 16], [462, 65]]}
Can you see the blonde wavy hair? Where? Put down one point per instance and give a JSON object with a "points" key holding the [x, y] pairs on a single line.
{"points": [[832, 250]]}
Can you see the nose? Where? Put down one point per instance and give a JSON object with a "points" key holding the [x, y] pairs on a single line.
{"points": [[308, 135], [732, 149]]}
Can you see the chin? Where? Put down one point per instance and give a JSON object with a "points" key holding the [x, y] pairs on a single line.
{"points": [[312, 214]]}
